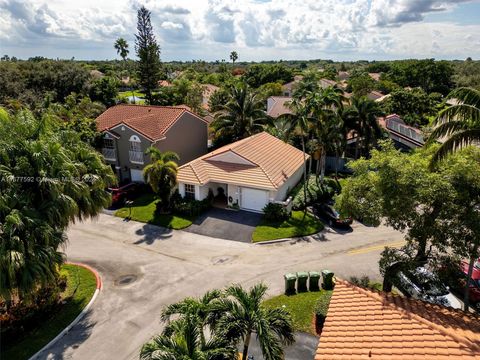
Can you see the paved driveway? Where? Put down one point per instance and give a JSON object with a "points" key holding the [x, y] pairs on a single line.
{"points": [[164, 266], [226, 224], [304, 348]]}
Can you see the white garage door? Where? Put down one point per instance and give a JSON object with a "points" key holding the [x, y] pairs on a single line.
{"points": [[136, 175], [253, 199]]}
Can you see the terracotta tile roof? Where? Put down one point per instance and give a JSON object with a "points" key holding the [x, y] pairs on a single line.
{"points": [[278, 105], [362, 324], [267, 163], [150, 121]]}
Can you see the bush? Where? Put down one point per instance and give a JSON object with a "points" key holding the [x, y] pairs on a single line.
{"points": [[189, 207], [275, 212], [24, 315], [315, 193], [365, 283]]}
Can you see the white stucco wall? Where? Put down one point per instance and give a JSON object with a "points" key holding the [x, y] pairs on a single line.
{"points": [[282, 192]]}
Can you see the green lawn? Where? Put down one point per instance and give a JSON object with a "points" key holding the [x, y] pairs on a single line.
{"points": [[143, 210], [303, 307], [296, 225], [81, 285]]}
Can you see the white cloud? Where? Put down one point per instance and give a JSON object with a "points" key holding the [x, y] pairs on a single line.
{"points": [[209, 29]]}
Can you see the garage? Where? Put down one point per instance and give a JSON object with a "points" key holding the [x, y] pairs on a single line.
{"points": [[136, 175], [253, 199]]}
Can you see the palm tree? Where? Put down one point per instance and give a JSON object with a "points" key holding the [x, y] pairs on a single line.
{"points": [[459, 123], [121, 46], [326, 106], [161, 174], [362, 117], [233, 57], [48, 179], [199, 309], [300, 121], [245, 314], [183, 343], [242, 116]]}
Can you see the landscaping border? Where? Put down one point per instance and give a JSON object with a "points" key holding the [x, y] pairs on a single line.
{"points": [[80, 316]]}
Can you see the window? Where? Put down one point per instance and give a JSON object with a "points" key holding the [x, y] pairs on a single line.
{"points": [[136, 154], [108, 143], [189, 191]]}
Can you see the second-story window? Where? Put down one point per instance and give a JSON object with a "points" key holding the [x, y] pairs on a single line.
{"points": [[108, 143], [136, 154]]}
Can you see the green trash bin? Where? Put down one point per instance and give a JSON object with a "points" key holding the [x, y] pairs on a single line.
{"points": [[313, 279], [327, 276], [302, 278], [290, 280]]}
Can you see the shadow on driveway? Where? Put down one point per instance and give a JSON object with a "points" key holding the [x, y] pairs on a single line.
{"points": [[304, 347], [226, 224]]}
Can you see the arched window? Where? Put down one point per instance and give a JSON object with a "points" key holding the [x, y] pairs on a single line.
{"points": [[135, 143]]}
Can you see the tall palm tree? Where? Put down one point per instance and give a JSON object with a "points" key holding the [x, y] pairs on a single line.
{"points": [[199, 309], [300, 120], [121, 46], [326, 105], [183, 343], [245, 314], [161, 174], [243, 115], [459, 123], [362, 117]]}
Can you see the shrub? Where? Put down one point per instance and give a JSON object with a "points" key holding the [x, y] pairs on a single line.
{"points": [[188, 207], [315, 193], [275, 212]]}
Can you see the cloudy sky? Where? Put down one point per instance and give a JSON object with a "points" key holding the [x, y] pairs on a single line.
{"points": [[256, 29]]}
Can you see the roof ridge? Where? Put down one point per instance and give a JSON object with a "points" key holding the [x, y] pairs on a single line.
{"points": [[132, 127], [178, 107], [195, 173], [380, 296]]}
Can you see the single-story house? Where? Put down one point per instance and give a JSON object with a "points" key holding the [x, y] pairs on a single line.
{"points": [[250, 172], [365, 324], [129, 130], [278, 105]]}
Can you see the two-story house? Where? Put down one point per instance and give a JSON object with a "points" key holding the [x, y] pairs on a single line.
{"points": [[129, 130]]}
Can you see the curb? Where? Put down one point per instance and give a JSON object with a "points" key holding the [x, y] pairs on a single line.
{"points": [[80, 316]]}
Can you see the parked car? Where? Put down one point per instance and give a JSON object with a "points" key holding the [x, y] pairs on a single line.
{"points": [[424, 285], [459, 278], [333, 218], [124, 193]]}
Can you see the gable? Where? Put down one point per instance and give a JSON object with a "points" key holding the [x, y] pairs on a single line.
{"points": [[230, 157]]}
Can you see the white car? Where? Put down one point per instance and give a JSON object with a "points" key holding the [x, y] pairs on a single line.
{"points": [[423, 285]]}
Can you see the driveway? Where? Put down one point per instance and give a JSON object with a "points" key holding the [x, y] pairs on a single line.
{"points": [[164, 266], [226, 224], [304, 348]]}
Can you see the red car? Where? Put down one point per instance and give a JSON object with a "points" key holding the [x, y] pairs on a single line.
{"points": [[123, 193], [457, 283]]}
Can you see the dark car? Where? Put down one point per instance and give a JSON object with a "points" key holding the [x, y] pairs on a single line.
{"points": [[124, 193], [331, 215], [422, 284]]}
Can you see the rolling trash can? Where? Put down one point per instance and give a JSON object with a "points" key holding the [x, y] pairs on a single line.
{"points": [[302, 278], [327, 277], [290, 280], [313, 280]]}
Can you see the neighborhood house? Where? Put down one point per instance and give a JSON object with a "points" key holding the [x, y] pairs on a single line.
{"points": [[248, 173], [129, 130]]}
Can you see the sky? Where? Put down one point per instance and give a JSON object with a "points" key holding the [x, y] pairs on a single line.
{"points": [[209, 30]]}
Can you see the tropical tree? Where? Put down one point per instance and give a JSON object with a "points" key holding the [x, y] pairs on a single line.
{"points": [[121, 46], [362, 117], [326, 105], [233, 57], [244, 314], [49, 178], [148, 53], [183, 342], [199, 310], [300, 120], [459, 123], [242, 116], [161, 174]]}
